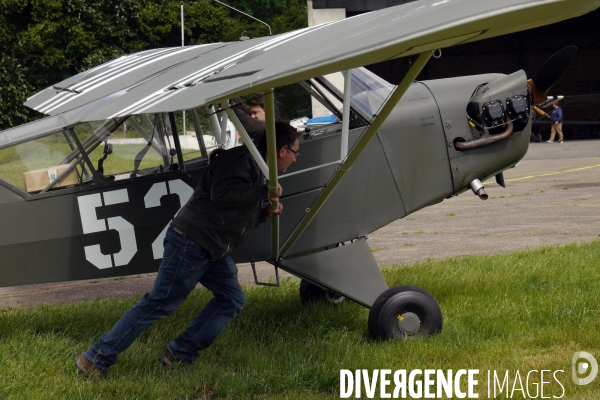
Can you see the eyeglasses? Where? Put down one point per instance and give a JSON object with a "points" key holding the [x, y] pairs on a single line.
{"points": [[296, 153]]}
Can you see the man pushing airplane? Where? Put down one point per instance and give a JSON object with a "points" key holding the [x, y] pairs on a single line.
{"points": [[225, 206]]}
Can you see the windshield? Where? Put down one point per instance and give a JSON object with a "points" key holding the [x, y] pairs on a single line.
{"points": [[43, 156], [367, 94], [368, 91]]}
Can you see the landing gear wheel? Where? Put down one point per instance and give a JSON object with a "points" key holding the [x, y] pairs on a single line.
{"points": [[404, 311], [381, 300], [310, 293]]}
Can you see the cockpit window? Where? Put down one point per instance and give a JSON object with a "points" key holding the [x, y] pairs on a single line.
{"points": [[368, 91], [126, 150], [102, 151], [49, 155], [33, 165], [292, 102], [318, 102]]}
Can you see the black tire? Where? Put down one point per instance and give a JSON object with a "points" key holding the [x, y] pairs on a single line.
{"points": [[536, 137], [402, 312], [380, 301], [310, 293]]}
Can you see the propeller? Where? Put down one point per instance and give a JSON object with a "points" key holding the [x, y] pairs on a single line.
{"points": [[550, 72]]}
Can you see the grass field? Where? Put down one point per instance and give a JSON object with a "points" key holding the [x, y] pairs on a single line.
{"points": [[522, 311]]}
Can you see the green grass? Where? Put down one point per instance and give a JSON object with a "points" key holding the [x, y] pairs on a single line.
{"points": [[520, 311], [376, 249]]}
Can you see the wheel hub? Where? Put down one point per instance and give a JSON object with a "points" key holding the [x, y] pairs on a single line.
{"points": [[334, 298], [409, 323]]}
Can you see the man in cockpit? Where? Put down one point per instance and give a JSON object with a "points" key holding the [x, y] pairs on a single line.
{"points": [[251, 114], [253, 108], [226, 204], [256, 108]]}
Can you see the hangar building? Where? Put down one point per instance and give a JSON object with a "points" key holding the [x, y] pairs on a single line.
{"points": [[525, 50]]}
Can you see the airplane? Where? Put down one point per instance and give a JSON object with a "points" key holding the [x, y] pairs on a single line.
{"points": [[88, 191]]}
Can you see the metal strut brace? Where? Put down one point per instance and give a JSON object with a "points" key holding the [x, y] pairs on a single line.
{"points": [[214, 124], [358, 148], [199, 133], [84, 156], [272, 162], [176, 142], [247, 141], [346, 113], [277, 283]]}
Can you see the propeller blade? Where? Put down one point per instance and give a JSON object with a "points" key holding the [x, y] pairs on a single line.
{"points": [[554, 68], [550, 72]]}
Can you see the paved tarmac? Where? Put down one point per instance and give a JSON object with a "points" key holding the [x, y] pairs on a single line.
{"points": [[551, 198]]}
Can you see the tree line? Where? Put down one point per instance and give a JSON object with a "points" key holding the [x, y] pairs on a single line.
{"points": [[43, 42]]}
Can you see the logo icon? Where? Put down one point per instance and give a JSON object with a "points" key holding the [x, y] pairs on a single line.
{"points": [[580, 367]]}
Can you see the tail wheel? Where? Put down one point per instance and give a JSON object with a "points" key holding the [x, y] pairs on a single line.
{"points": [[404, 311], [310, 293]]}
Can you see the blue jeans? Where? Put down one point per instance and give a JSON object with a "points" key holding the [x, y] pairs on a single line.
{"points": [[184, 264]]}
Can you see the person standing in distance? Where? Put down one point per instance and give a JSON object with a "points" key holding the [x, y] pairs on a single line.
{"points": [[557, 120], [224, 207]]}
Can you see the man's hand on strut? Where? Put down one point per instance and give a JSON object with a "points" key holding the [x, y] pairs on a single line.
{"points": [[274, 199], [272, 211], [275, 196]]}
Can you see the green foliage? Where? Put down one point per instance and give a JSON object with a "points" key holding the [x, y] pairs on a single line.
{"points": [[293, 17], [205, 22], [281, 15], [14, 88], [160, 23], [43, 42], [292, 102]]}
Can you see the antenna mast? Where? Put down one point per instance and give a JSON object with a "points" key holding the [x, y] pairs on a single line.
{"points": [[247, 15]]}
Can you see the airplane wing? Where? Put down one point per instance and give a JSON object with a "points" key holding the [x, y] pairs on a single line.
{"points": [[170, 79]]}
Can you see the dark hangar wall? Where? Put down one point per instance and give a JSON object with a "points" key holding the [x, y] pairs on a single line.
{"points": [[357, 6], [525, 50]]}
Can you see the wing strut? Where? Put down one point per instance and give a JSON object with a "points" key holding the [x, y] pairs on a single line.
{"points": [[272, 161], [199, 133], [346, 113], [176, 141], [358, 148], [223, 127], [214, 124], [247, 141]]}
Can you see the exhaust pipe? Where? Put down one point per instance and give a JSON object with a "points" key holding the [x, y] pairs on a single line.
{"points": [[486, 138], [478, 189]]}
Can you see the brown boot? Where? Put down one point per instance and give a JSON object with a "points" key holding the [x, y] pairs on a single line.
{"points": [[86, 368], [167, 359]]}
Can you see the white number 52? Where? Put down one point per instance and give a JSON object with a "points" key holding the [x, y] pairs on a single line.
{"points": [[90, 222]]}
